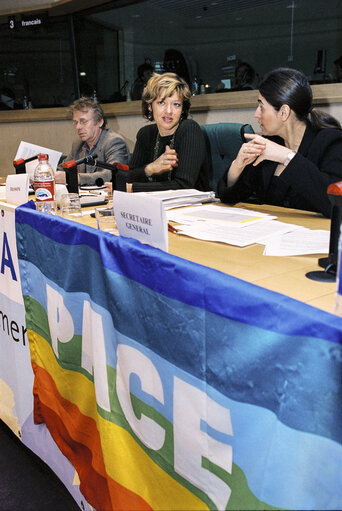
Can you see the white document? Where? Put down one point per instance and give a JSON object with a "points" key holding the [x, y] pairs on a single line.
{"points": [[181, 198], [17, 188], [213, 212], [26, 150], [305, 241], [232, 234], [142, 218]]}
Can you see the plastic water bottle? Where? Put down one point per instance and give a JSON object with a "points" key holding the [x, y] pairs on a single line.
{"points": [[44, 185]]}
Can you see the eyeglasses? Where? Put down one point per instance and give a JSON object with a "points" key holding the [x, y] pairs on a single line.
{"points": [[81, 122]]}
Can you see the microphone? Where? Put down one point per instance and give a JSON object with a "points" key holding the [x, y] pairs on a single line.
{"points": [[19, 164], [330, 263], [70, 168], [103, 165], [73, 163], [114, 167]]}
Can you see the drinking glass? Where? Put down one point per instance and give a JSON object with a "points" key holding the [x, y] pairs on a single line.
{"points": [[105, 219], [71, 206]]}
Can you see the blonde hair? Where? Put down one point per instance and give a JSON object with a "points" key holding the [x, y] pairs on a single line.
{"points": [[165, 85]]}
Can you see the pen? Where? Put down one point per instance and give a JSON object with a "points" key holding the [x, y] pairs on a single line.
{"points": [[171, 228]]}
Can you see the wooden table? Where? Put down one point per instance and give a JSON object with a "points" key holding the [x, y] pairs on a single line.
{"points": [[282, 274]]}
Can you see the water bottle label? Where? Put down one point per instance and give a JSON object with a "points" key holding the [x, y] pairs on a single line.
{"points": [[44, 191]]}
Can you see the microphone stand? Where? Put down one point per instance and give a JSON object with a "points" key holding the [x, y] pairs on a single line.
{"points": [[72, 177], [20, 165], [330, 263], [114, 167]]}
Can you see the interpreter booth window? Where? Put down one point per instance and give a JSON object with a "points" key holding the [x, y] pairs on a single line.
{"points": [[222, 45], [35, 64], [97, 51], [52, 63]]}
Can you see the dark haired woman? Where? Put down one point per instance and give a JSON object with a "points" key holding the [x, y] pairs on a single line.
{"points": [[171, 152], [298, 154]]}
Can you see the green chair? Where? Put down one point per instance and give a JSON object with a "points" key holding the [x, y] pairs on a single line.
{"points": [[223, 140]]}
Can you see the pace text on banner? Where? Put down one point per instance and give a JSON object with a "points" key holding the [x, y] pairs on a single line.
{"points": [[170, 386]]}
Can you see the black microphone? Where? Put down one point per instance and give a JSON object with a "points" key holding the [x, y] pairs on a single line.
{"points": [[330, 263], [88, 160], [70, 168], [110, 166], [114, 167]]}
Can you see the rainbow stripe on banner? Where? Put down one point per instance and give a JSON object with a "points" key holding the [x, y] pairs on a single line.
{"points": [[171, 386]]}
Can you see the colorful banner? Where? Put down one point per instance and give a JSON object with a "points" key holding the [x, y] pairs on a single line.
{"points": [[171, 386], [16, 375]]}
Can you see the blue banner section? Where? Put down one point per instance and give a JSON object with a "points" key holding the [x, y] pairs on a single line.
{"points": [[209, 289]]}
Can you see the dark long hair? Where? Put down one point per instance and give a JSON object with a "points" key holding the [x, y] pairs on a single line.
{"points": [[285, 86]]}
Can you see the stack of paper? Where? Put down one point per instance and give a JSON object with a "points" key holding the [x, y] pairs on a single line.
{"points": [[241, 227], [307, 241], [179, 198]]}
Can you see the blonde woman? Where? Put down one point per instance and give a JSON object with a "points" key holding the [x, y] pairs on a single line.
{"points": [[169, 153]]}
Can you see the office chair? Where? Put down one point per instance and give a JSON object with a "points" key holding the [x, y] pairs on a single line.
{"points": [[223, 141]]}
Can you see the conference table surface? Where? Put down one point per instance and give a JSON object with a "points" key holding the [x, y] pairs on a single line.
{"points": [[286, 275]]}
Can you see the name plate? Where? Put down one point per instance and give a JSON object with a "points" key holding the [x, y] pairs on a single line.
{"points": [[142, 218], [17, 188]]}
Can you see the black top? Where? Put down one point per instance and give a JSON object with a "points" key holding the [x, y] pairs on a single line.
{"points": [[302, 184], [193, 162]]}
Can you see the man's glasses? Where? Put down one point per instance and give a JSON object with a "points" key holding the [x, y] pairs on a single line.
{"points": [[81, 122]]}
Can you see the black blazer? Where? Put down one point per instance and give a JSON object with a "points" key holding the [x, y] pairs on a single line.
{"points": [[303, 183]]}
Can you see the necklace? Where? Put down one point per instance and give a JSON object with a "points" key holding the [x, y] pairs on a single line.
{"points": [[157, 149]]}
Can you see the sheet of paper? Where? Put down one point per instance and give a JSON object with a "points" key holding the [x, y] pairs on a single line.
{"points": [[305, 241], [214, 212], [234, 235], [26, 150], [181, 198]]}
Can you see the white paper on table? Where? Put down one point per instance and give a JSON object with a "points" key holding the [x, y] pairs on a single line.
{"points": [[26, 150], [228, 215], [305, 241], [181, 198], [232, 234]]}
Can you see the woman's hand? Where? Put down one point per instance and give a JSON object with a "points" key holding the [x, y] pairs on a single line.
{"points": [[251, 150], [166, 162], [248, 153], [263, 149]]}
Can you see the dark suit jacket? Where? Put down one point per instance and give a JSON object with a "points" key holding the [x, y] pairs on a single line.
{"points": [[303, 183]]}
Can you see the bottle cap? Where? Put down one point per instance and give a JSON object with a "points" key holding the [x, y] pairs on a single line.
{"points": [[43, 156]]}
